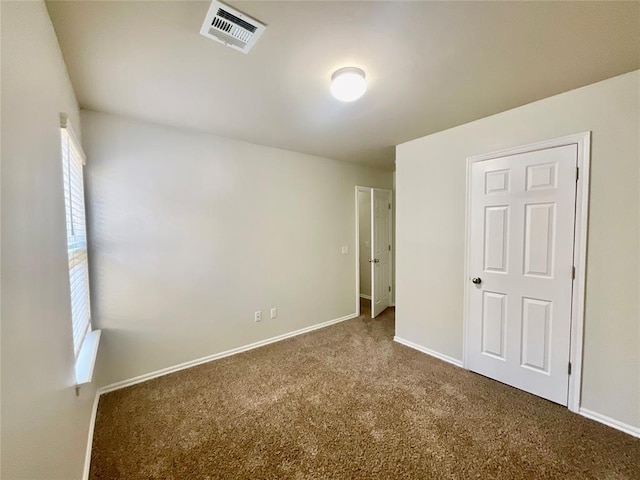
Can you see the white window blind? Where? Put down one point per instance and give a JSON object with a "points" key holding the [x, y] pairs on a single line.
{"points": [[72, 167]]}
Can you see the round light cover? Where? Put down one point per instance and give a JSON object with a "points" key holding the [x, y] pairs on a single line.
{"points": [[348, 84]]}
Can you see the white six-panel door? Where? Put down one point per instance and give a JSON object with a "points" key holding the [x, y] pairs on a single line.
{"points": [[520, 262], [380, 250]]}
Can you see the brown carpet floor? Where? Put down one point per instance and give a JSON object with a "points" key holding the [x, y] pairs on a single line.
{"points": [[346, 402]]}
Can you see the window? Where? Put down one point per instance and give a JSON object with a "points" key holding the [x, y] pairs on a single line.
{"points": [[72, 168]]}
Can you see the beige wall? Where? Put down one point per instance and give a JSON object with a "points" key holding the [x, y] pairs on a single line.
{"points": [[44, 424], [191, 233], [430, 176], [364, 225]]}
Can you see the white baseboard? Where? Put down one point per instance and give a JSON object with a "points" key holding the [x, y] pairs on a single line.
{"points": [[629, 429], [185, 365], [217, 356], [92, 425], [368, 297], [611, 422], [598, 417], [420, 348]]}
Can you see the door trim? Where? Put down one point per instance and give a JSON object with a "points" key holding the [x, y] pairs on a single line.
{"points": [[390, 222], [583, 143], [357, 249], [360, 188]]}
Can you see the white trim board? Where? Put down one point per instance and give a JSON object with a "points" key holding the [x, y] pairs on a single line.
{"points": [[597, 417], [610, 422], [392, 293], [217, 356], [92, 426], [86, 361], [359, 188], [583, 142], [433, 353], [184, 366], [634, 431]]}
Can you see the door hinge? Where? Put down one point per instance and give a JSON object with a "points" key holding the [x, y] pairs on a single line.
{"points": [[569, 369], [389, 247], [389, 206], [577, 173], [389, 288], [573, 273]]}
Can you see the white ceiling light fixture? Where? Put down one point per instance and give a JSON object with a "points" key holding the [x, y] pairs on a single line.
{"points": [[348, 84]]}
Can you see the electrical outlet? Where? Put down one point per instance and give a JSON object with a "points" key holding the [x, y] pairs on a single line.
{"points": [[274, 312], [257, 316]]}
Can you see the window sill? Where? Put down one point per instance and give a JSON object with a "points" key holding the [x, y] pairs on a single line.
{"points": [[86, 360]]}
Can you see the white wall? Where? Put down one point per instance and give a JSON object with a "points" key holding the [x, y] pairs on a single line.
{"points": [[430, 176], [364, 225], [191, 233], [44, 424]]}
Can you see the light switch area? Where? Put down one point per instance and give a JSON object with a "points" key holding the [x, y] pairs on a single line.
{"points": [[257, 316], [345, 250], [274, 313]]}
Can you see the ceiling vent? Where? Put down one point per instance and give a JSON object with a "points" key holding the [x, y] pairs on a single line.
{"points": [[231, 27]]}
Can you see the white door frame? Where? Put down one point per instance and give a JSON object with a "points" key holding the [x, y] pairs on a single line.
{"points": [[357, 255], [360, 188], [583, 143]]}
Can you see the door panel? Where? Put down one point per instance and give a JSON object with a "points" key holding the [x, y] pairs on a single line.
{"points": [[380, 250], [536, 325], [521, 226], [496, 233], [493, 324], [539, 239]]}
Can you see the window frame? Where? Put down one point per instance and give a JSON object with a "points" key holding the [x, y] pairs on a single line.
{"points": [[84, 347]]}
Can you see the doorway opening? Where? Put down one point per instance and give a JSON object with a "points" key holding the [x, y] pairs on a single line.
{"points": [[373, 250]]}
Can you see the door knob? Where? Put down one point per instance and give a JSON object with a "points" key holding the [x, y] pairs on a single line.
{"points": [[476, 280], [374, 260]]}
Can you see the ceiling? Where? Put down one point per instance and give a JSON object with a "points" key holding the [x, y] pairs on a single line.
{"points": [[430, 66]]}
